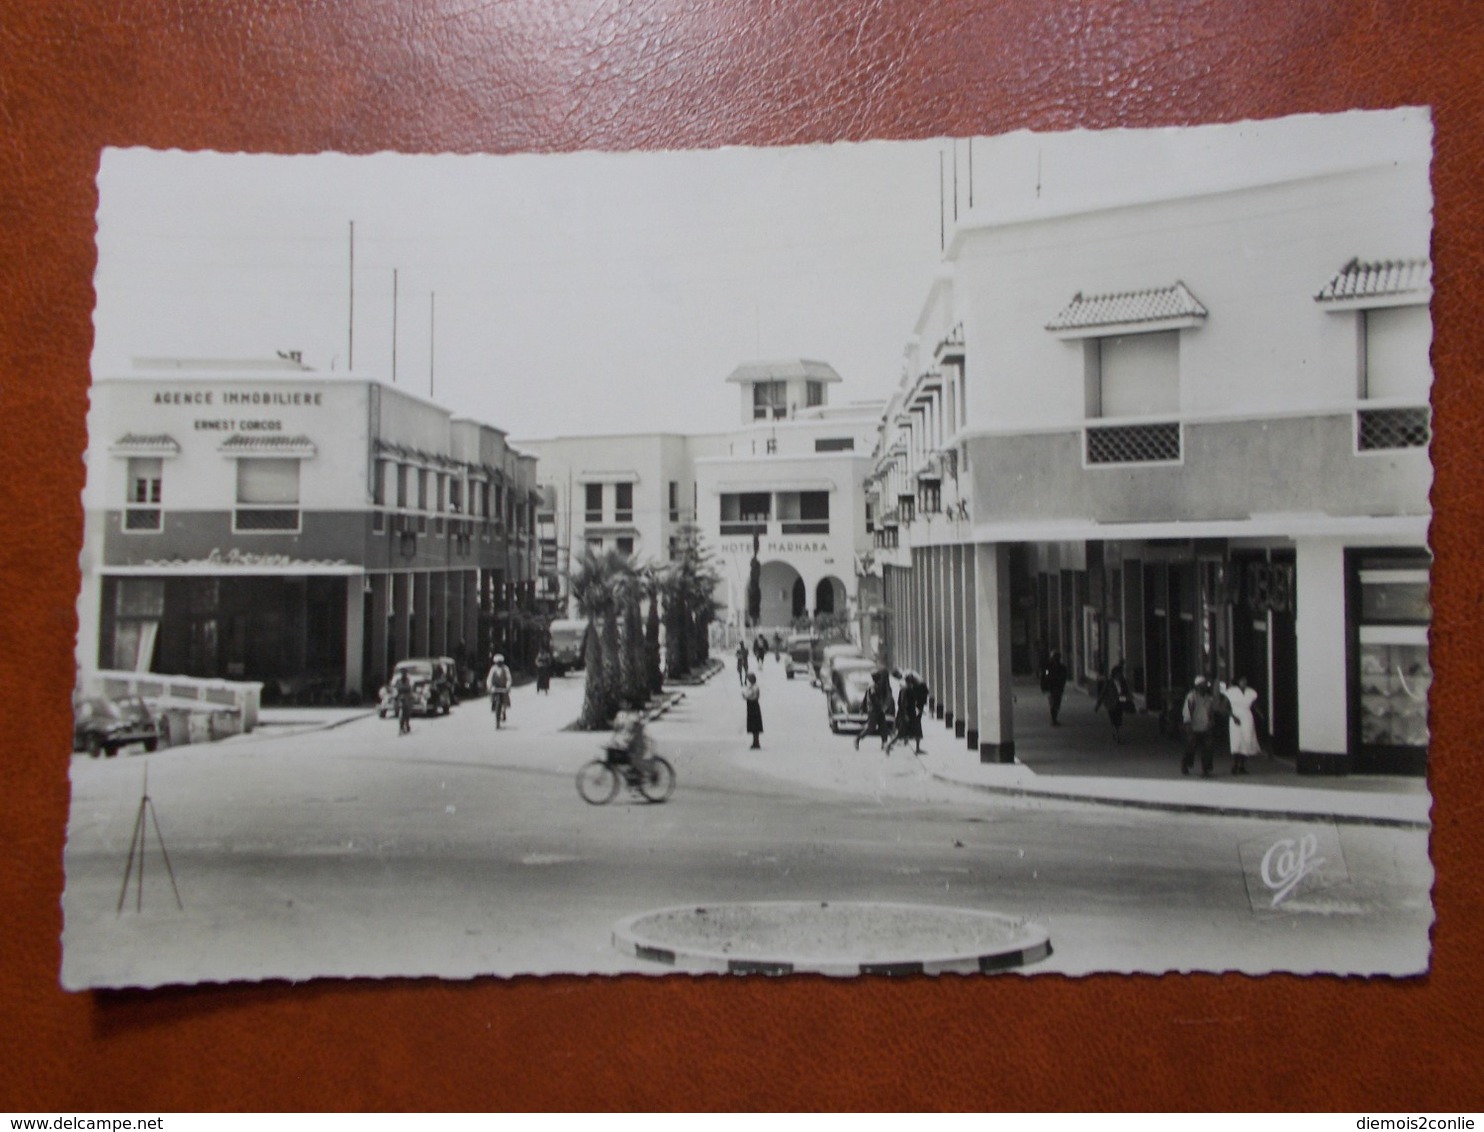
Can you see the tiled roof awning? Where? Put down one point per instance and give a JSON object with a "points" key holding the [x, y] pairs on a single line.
{"points": [[1162, 308], [153, 444], [1388, 282], [240, 444]]}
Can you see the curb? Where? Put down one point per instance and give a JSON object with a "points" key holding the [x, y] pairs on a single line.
{"points": [[1032, 945], [1215, 810]]}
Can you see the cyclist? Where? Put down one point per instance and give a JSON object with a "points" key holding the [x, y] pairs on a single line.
{"points": [[403, 690], [498, 684], [628, 746]]}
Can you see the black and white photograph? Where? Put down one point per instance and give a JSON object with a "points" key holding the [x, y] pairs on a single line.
{"points": [[957, 556]]}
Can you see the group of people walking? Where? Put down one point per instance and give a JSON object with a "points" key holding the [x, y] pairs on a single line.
{"points": [[1203, 711], [895, 721]]}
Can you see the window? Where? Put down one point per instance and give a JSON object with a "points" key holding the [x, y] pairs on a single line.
{"points": [[142, 510], [594, 507], [623, 503], [813, 393], [1134, 375], [674, 501], [596, 544], [769, 400], [835, 444], [455, 494], [625, 546], [745, 513], [422, 488], [378, 484], [441, 500], [930, 496], [1394, 673], [772, 446], [267, 495], [804, 512], [870, 517], [403, 473]]}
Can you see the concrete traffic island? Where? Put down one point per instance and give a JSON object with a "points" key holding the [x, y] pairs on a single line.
{"points": [[829, 938]]}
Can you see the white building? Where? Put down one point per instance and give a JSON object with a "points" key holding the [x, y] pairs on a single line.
{"points": [[790, 477], [1187, 430], [258, 521]]}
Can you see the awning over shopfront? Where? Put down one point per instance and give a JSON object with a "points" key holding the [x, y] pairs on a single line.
{"points": [[155, 444]]}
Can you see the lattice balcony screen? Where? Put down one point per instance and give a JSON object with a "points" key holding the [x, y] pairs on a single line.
{"points": [[1134, 444], [1392, 428], [142, 519], [267, 519]]}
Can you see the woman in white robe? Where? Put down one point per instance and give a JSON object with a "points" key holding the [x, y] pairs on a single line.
{"points": [[1243, 725]]}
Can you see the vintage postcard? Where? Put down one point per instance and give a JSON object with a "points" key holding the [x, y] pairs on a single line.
{"points": [[947, 556]]}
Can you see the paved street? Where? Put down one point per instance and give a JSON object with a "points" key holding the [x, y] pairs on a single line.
{"points": [[459, 850]]}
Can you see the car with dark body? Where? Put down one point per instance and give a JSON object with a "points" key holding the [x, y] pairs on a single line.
{"points": [[434, 686], [849, 680], [101, 726], [804, 655], [567, 637]]}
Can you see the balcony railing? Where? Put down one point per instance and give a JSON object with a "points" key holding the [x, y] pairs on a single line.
{"points": [[744, 527], [1157, 443], [265, 519], [1382, 429], [806, 526]]}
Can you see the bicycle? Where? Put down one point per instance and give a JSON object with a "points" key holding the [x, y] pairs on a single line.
{"points": [[598, 780], [500, 705]]}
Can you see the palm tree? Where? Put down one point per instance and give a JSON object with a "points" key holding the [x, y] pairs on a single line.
{"points": [[591, 584], [650, 576], [689, 591], [633, 679]]}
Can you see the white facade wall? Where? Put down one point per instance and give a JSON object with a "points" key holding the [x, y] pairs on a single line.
{"points": [[1255, 258]]}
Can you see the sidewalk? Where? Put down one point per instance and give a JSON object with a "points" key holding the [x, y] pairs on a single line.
{"points": [[1078, 761]]}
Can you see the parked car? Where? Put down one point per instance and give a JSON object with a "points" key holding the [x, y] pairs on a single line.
{"points": [[567, 637], [804, 655], [101, 726], [850, 677], [832, 653], [434, 686]]}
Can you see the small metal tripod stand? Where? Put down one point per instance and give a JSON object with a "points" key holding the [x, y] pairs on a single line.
{"points": [[136, 847]]}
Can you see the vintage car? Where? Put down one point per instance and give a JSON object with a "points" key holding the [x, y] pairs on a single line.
{"points": [[101, 726], [567, 638], [850, 677], [833, 653], [434, 686], [804, 655]]}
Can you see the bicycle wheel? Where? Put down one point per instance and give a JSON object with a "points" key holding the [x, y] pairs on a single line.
{"points": [[658, 783], [597, 782]]}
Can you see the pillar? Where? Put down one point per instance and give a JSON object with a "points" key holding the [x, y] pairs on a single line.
{"points": [[996, 712], [971, 650], [355, 632], [1323, 690]]}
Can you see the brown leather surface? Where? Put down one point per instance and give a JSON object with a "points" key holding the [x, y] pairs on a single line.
{"points": [[463, 75]]}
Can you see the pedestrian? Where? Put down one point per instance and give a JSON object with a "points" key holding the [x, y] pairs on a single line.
{"points": [[741, 662], [1199, 717], [498, 685], [778, 647], [753, 698], [911, 701], [1115, 695], [760, 647], [543, 670], [879, 709], [1242, 725], [403, 688], [1054, 683]]}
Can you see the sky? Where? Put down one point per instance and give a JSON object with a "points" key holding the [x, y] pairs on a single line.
{"points": [[591, 293], [548, 295]]}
